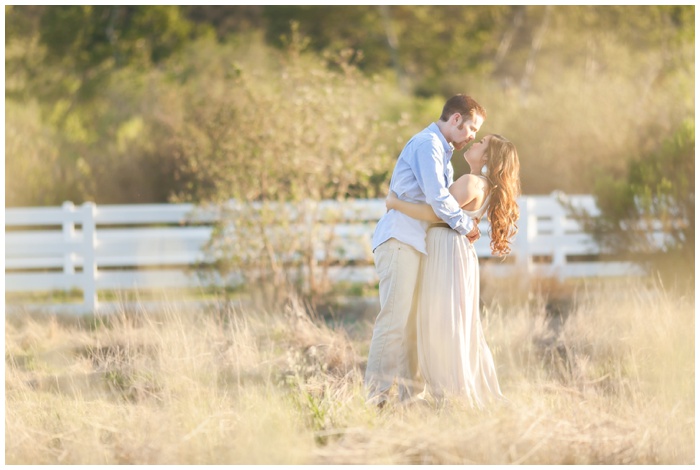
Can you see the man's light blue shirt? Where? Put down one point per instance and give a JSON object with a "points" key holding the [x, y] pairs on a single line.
{"points": [[423, 173]]}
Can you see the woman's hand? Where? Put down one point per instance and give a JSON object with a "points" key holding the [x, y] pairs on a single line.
{"points": [[390, 201]]}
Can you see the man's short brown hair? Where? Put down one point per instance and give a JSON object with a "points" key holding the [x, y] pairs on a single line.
{"points": [[464, 105]]}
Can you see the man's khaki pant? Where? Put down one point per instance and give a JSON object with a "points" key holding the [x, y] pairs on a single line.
{"points": [[392, 352]]}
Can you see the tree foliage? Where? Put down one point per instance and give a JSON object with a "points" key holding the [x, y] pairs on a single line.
{"points": [[576, 88]]}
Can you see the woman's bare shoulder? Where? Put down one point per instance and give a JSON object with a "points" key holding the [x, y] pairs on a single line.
{"points": [[472, 182], [468, 189]]}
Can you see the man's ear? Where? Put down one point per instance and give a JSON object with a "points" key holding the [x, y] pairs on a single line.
{"points": [[456, 119]]}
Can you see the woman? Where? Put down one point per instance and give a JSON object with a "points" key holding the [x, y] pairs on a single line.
{"points": [[452, 352]]}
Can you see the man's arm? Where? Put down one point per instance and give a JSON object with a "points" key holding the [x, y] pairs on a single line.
{"points": [[423, 211], [430, 170], [415, 210]]}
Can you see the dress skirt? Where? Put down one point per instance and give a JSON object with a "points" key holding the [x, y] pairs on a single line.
{"points": [[453, 356]]}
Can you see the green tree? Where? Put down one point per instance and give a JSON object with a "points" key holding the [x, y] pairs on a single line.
{"points": [[81, 70], [90, 42], [333, 29]]}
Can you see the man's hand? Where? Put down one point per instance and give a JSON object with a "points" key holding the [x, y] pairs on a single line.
{"points": [[475, 234]]}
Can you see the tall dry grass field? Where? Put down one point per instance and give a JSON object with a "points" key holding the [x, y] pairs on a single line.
{"points": [[611, 383]]}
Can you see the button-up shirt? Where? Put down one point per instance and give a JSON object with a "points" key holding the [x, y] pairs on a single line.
{"points": [[423, 173]]}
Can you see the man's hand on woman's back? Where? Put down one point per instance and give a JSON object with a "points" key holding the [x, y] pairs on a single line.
{"points": [[475, 234]]}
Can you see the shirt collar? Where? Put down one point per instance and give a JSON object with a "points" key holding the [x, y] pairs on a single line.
{"points": [[449, 148]]}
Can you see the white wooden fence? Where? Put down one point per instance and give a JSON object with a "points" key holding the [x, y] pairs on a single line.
{"points": [[115, 247]]}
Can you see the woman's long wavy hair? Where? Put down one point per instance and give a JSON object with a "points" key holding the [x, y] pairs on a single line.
{"points": [[503, 168]]}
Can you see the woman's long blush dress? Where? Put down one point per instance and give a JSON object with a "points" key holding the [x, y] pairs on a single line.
{"points": [[453, 356]]}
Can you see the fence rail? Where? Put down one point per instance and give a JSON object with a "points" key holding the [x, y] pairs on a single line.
{"points": [[94, 248]]}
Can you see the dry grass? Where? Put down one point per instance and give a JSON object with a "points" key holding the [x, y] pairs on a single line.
{"points": [[612, 384]]}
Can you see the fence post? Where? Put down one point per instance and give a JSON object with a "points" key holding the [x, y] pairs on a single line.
{"points": [[560, 248], [527, 232], [68, 237], [89, 258]]}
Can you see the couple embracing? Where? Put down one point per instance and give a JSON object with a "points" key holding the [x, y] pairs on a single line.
{"points": [[428, 325]]}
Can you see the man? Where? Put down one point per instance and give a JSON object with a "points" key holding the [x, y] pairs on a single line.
{"points": [[423, 173]]}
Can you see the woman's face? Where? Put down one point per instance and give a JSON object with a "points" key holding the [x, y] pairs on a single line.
{"points": [[476, 154]]}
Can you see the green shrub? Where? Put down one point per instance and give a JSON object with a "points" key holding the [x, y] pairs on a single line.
{"points": [[649, 216]]}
